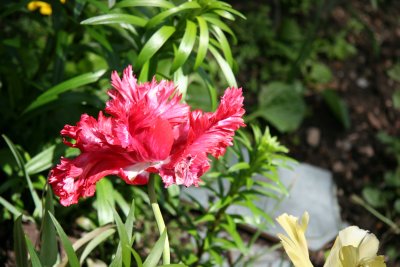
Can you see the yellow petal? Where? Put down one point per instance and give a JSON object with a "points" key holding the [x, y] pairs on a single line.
{"points": [[348, 256], [369, 246], [44, 8], [295, 244]]}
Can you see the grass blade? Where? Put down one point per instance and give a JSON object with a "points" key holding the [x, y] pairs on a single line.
{"points": [[98, 239], [154, 44], [21, 253], [71, 255], [124, 239], [21, 166], [32, 252], [48, 249], [41, 161], [104, 198], [116, 19], [155, 254], [52, 93]]}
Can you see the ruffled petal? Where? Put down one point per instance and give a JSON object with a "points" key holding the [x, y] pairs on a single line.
{"points": [[207, 133], [73, 179]]}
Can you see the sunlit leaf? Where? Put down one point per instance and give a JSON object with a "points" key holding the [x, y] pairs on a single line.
{"points": [[97, 240], [52, 93], [149, 3], [155, 254], [104, 198], [154, 44], [186, 45], [226, 69], [41, 161], [165, 14], [116, 18], [71, 255], [203, 42], [32, 252]]}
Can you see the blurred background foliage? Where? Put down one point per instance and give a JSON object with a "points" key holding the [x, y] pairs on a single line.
{"points": [[57, 66]]}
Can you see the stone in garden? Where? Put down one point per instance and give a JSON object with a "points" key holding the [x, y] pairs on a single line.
{"points": [[310, 189]]}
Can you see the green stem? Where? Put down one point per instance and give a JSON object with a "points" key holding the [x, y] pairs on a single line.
{"points": [[159, 219]]}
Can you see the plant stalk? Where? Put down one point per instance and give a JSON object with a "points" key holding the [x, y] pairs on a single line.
{"points": [[159, 218]]}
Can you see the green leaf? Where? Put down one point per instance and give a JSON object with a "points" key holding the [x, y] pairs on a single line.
{"points": [[231, 229], [239, 166], [52, 93], [394, 72], [157, 19], [149, 3], [173, 265], [396, 99], [203, 42], [212, 91], [155, 254], [32, 252], [41, 161], [10, 207], [282, 106], [124, 239], [144, 72], [21, 253], [221, 25], [154, 44], [320, 73], [226, 49], [226, 69], [337, 106], [48, 247], [138, 260], [130, 219], [95, 242], [374, 197], [72, 258], [116, 19], [186, 45], [104, 198], [21, 166]]}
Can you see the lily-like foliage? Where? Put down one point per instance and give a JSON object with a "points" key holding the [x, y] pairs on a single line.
{"points": [[148, 131], [353, 247]]}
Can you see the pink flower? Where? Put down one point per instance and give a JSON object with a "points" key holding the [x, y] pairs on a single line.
{"points": [[148, 130]]}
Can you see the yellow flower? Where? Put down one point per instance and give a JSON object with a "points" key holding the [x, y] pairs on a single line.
{"points": [[44, 8], [295, 244], [355, 247]]}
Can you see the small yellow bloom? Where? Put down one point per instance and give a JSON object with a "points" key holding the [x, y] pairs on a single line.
{"points": [[44, 8]]}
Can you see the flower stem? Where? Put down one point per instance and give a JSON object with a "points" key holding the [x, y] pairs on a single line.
{"points": [[159, 218]]}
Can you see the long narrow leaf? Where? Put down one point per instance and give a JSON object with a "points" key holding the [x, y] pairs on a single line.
{"points": [[104, 198], [226, 69], [32, 252], [52, 93], [186, 45], [130, 219], [226, 49], [138, 260], [72, 258], [124, 239], [154, 44], [21, 253], [95, 242], [116, 19], [21, 165], [155, 254], [48, 248], [203, 42], [10, 207], [41, 161], [157, 19], [212, 91], [218, 23], [149, 3]]}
